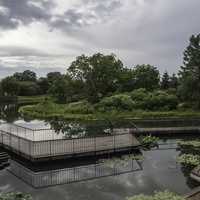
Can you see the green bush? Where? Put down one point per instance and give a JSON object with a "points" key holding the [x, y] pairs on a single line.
{"points": [[166, 195], [80, 107], [117, 102], [157, 100]]}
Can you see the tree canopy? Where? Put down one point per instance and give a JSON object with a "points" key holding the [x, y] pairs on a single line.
{"points": [[189, 88]]}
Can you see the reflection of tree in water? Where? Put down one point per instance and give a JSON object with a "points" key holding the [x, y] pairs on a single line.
{"points": [[80, 129], [9, 112]]}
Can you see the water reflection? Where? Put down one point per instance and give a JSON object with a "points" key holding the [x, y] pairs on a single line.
{"points": [[40, 175]]}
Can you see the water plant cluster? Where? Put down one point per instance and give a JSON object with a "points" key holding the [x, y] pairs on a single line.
{"points": [[149, 141], [15, 196], [166, 195], [189, 156]]}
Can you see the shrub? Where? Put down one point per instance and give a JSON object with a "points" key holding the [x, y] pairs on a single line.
{"points": [[117, 102], [157, 100], [80, 107], [161, 101]]}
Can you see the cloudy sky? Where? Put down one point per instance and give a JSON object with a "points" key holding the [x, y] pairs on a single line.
{"points": [[46, 35]]}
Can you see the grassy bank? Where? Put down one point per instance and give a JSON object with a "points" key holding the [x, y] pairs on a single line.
{"points": [[82, 111], [31, 99]]}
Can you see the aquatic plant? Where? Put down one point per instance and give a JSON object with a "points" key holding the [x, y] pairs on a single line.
{"points": [[15, 196], [149, 141], [189, 160], [189, 144], [166, 195]]}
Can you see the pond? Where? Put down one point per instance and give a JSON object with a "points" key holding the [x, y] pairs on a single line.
{"points": [[158, 171]]}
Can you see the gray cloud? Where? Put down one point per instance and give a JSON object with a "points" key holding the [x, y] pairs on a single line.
{"points": [[41, 72], [138, 31], [23, 12], [95, 12]]}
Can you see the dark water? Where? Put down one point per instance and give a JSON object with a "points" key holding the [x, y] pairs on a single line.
{"points": [[160, 171]]}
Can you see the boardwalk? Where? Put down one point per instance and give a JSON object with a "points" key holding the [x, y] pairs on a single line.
{"points": [[35, 144], [194, 195]]}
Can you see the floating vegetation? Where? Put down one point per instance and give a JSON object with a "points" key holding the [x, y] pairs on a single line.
{"points": [[189, 153], [166, 195], [121, 161], [189, 144], [189, 160], [149, 141], [15, 196]]}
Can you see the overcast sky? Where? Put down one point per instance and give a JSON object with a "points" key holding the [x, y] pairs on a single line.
{"points": [[46, 35]]}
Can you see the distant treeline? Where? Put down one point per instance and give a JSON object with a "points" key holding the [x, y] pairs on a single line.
{"points": [[99, 76]]}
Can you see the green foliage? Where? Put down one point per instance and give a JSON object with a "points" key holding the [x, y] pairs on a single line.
{"points": [[27, 75], [15, 196], [59, 90], [10, 86], [116, 102], [189, 144], [165, 81], [189, 160], [157, 100], [189, 89], [81, 107], [53, 76], [166, 195], [146, 76], [28, 88], [149, 141], [99, 73]]}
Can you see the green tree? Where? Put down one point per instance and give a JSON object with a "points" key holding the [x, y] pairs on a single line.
{"points": [[44, 85], [59, 90], [173, 81], [10, 86], [126, 80], [27, 75], [53, 76], [28, 88], [165, 82], [189, 88], [99, 73], [146, 76]]}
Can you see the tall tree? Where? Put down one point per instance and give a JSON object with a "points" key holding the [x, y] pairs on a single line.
{"points": [[10, 86], [173, 81], [27, 75], [165, 82], [53, 76], [146, 76], [100, 74], [190, 73]]}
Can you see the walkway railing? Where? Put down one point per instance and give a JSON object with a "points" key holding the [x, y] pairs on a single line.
{"points": [[42, 143]]}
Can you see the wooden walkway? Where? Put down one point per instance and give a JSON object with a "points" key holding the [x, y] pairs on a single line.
{"points": [[194, 195]]}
